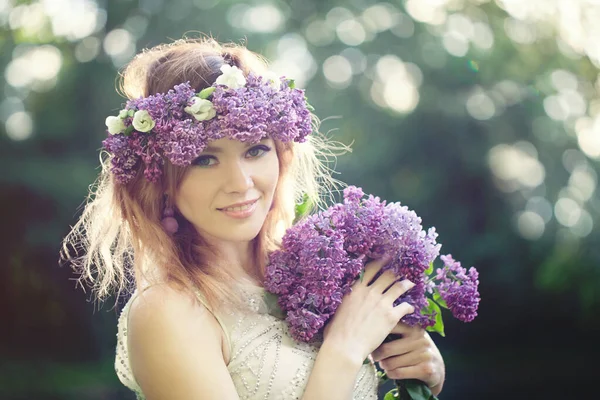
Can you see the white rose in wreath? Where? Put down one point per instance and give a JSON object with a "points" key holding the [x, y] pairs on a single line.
{"points": [[114, 124], [232, 77], [142, 121], [201, 109]]}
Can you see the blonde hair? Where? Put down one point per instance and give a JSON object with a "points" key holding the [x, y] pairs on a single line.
{"points": [[119, 244]]}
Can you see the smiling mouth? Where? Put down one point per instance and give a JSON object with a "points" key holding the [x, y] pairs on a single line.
{"points": [[240, 206]]}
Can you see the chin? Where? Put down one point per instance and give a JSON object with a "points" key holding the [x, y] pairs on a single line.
{"points": [[240, 232]]}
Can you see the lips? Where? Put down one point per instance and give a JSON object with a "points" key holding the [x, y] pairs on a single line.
{"points": [[241, 206]]}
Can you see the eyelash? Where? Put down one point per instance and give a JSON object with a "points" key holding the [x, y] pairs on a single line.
{"points": [[260, 147]]}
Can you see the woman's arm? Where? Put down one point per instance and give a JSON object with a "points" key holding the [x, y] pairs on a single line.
{"points": [[333, 375], [175, 348]]}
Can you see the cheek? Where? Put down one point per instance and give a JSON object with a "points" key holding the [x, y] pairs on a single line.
{"points": [[183, 202], [190, 199], [272, 173]]}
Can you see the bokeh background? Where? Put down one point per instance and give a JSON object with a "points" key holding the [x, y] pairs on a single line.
{"points": [[481, 115]]}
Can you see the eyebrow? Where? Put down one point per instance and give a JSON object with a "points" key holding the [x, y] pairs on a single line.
{"points": [[213, 149]]}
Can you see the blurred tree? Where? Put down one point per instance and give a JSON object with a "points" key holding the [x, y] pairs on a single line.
{"points": [[483, 116]]}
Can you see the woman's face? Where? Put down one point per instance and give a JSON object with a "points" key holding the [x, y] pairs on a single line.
{"points": [[227, 192]]}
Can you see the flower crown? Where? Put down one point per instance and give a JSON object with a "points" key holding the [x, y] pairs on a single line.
{"points": [[177, 125]]}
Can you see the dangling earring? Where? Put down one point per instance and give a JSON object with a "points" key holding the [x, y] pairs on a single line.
{"points": [[168, 221]]}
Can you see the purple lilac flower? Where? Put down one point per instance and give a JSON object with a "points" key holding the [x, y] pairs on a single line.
{"points": [[323, 255], [248, 114], [124, 157], [459, 288]]}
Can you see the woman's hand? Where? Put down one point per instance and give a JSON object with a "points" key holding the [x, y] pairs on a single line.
{"points": [[367, 315], [413, 356]]}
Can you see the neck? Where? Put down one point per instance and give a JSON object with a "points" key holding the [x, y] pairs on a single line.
{"points": [[238, 258]]}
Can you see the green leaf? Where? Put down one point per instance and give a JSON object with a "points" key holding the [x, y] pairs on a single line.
{"points": [[438, 299], [361, 275], [417, 390], [391, 395], [291, 83], [302, 208], [128, 130], [439, 323], [204, 93], [273, 305], [429, 270], [382, 376]]}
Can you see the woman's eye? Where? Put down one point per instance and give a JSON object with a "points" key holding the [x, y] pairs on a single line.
{"points": [[205, 161], [258, 151]]}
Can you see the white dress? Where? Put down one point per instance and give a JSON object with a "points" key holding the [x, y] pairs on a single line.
{"points": [[265, 361]]}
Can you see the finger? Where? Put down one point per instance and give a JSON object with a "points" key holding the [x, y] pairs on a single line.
{"points": [[406, 330], [398, 347], [372, 268], [424, 371], [405, 360], [384, 281], [398, 289], [403, 309]]}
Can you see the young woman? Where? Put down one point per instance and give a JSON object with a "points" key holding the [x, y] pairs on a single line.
{"points": [[202, 170]]}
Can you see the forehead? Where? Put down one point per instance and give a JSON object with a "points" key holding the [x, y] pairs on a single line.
{"points": [[228, 144]]}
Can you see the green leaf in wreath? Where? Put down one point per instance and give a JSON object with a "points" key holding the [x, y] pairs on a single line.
{"points": [[204, 93]]}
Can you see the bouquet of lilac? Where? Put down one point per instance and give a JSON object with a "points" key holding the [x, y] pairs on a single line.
{"points": [[324, 254]]}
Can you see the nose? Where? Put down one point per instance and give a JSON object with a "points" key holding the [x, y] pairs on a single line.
{"points": [[239, 177]]}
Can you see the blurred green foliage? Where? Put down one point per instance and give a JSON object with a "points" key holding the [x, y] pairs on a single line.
{"points": [[482, 116]]}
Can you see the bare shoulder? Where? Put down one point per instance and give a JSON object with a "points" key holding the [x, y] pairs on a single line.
{"points": [[175, 347], [161, 304]]}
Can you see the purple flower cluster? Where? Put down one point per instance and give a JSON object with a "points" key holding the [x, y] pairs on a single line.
{"points": [[323, 255], [249, 114], [458, 288]]}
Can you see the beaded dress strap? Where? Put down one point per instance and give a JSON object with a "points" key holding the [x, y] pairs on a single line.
{"points": [[128, 378]]}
